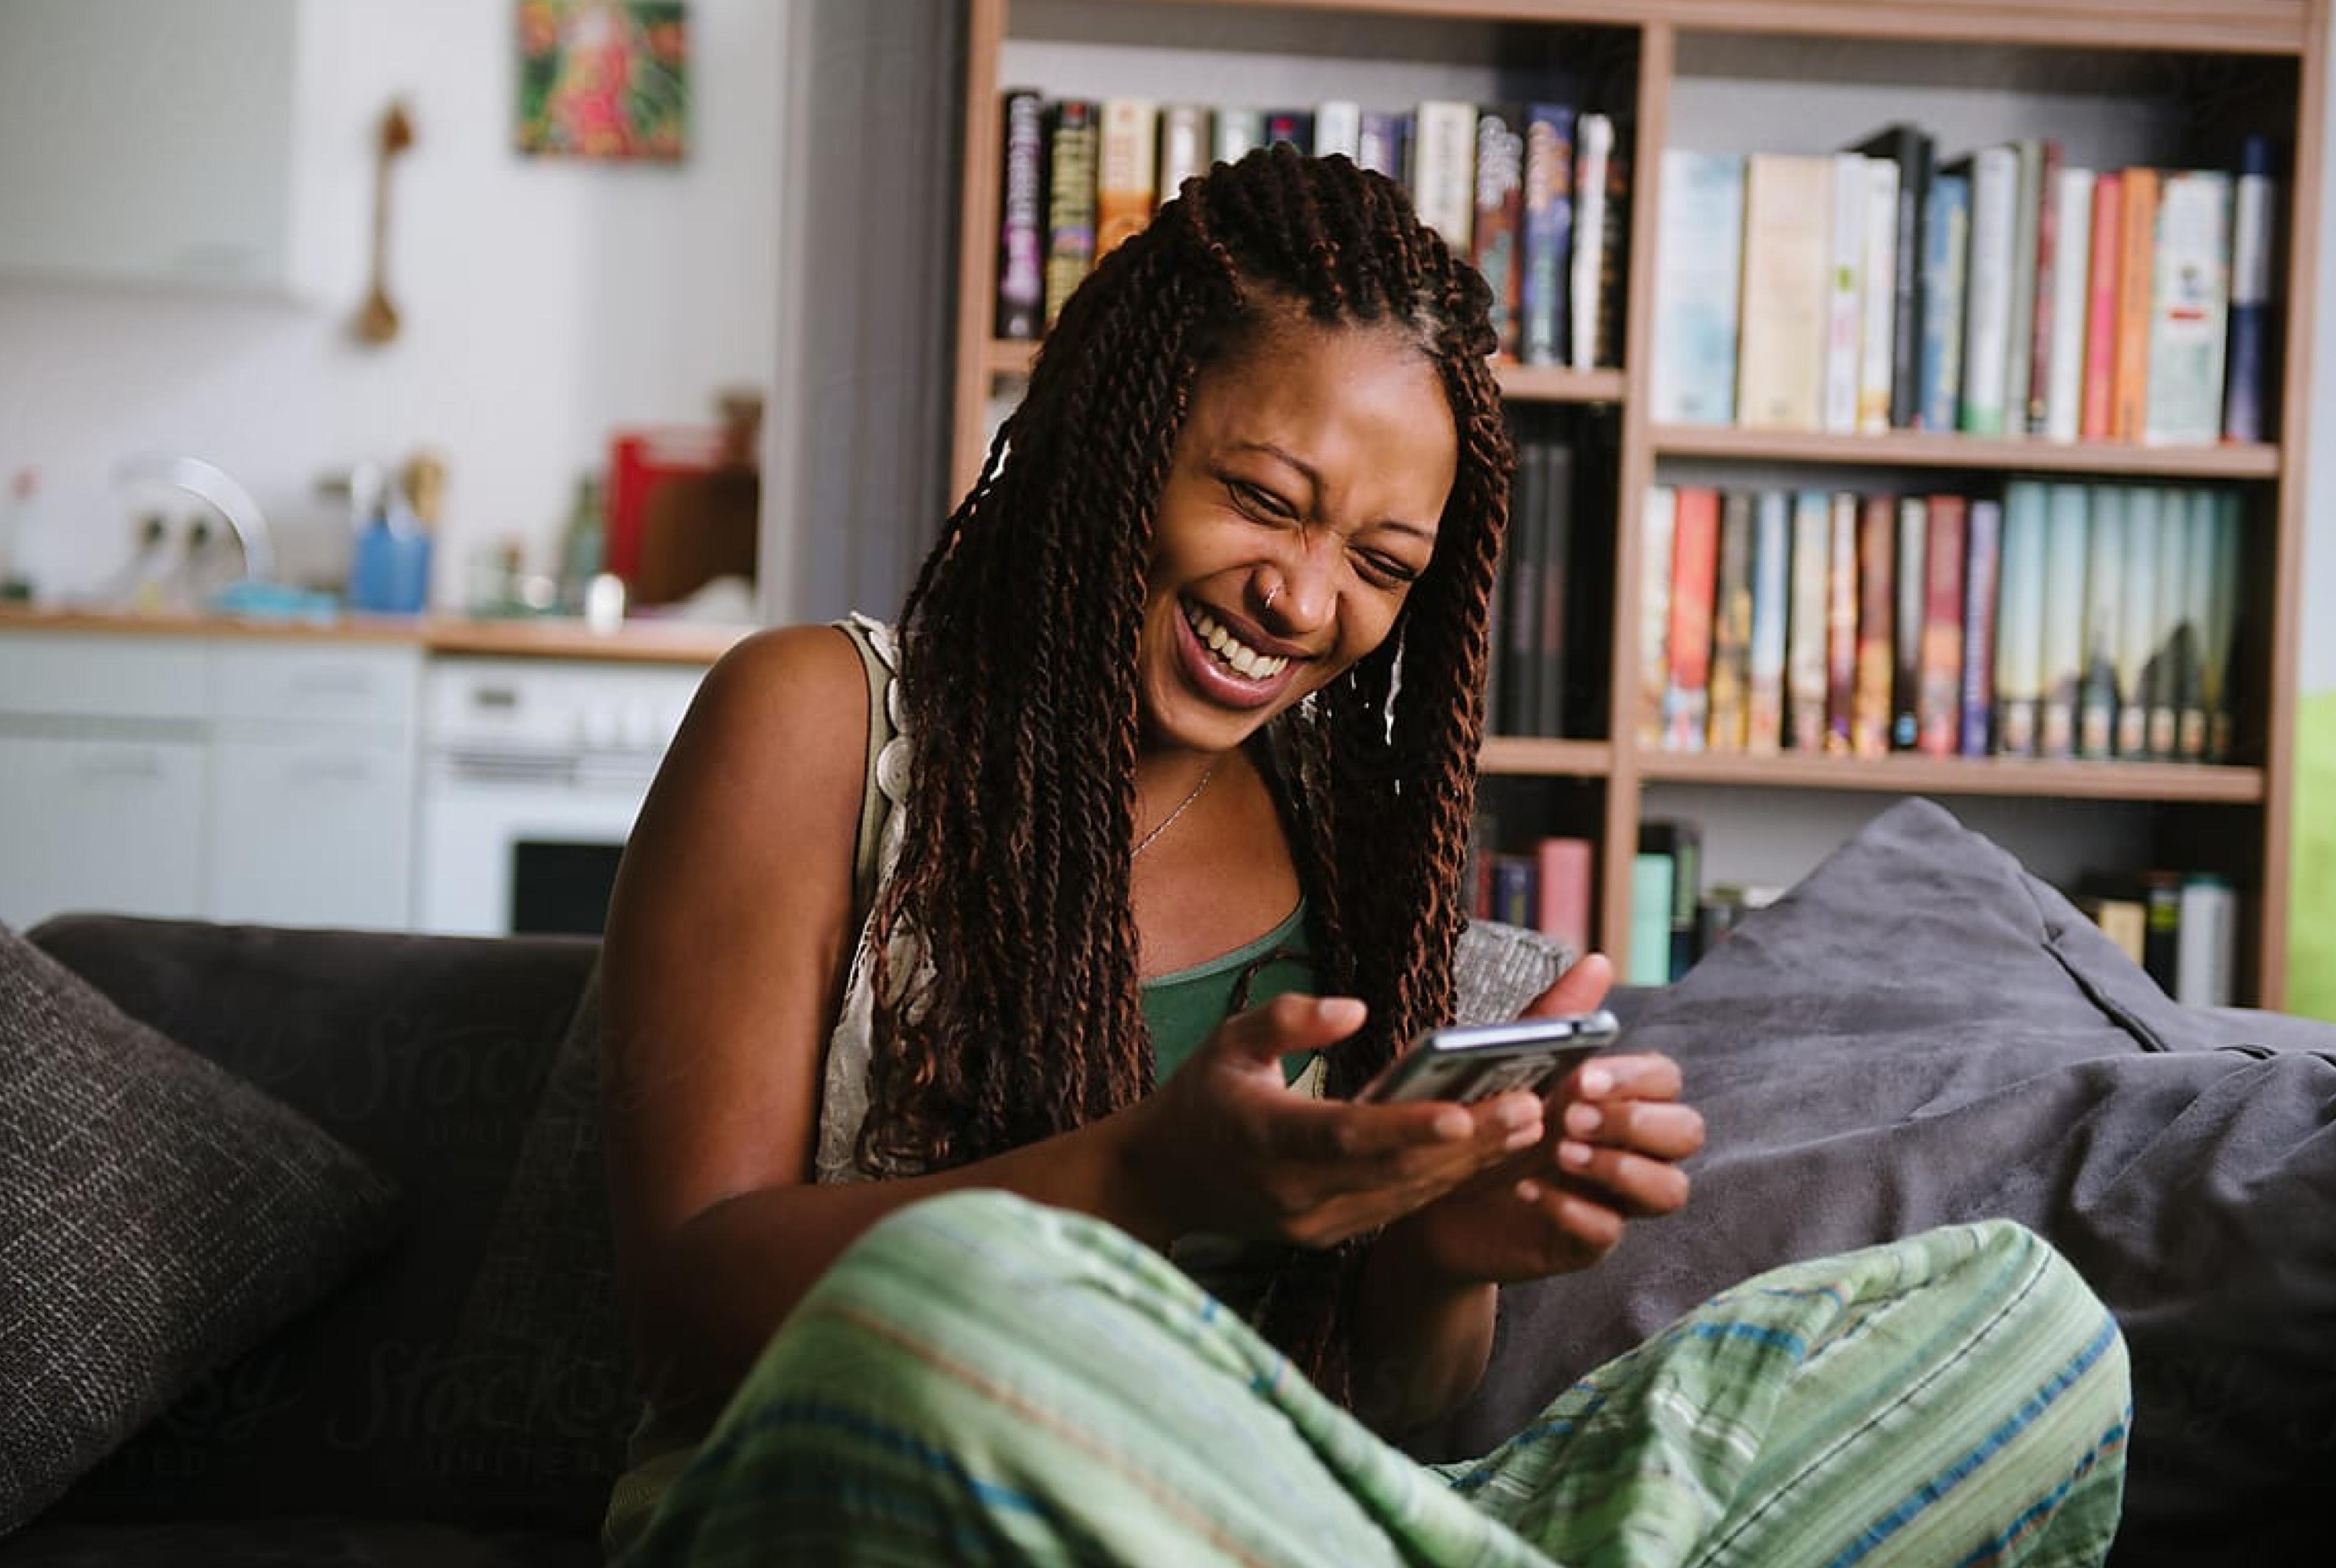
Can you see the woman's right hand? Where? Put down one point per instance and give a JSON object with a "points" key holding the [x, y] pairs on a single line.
{"points": [[1226, 1145]]}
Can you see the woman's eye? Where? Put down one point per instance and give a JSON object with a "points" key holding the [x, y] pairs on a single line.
{"points": [[1386, 571], [1252, 498]]}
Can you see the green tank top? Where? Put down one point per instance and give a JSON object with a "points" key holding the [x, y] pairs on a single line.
{"points": [[1181, 1008]]}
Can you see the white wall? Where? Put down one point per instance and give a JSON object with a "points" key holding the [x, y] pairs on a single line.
{"points": [[544, 302]]}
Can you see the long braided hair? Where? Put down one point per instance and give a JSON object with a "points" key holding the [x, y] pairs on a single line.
{"points": [[1014, 1013]]}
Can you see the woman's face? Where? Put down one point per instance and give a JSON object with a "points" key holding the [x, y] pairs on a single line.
{"points": [[1302, 501]]}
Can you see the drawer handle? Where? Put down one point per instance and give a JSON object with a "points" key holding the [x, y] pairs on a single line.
{"points": [[141, 766]]}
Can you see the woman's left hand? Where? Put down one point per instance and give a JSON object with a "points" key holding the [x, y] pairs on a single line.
{"points": [[1614, 1134]]}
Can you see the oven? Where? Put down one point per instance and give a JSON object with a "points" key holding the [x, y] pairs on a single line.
{"points": [[532, 772]]}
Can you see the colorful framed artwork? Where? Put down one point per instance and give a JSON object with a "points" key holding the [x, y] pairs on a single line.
{"points": [[604, 79]]}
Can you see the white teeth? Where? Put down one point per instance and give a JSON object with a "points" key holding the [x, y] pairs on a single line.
{"points": [[1244, 659]]}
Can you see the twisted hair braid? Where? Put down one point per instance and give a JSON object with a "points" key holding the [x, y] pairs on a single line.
{"points": [[1019, 1016]]}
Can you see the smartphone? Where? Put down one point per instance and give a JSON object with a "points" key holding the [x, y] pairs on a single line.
{"points": [[1467, 1062]]}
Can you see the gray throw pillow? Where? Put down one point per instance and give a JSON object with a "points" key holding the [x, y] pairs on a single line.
{"points": [[157, 1217], [1922, 1033]]}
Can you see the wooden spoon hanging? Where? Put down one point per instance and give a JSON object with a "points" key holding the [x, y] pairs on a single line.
{"points": [[377, 321]]}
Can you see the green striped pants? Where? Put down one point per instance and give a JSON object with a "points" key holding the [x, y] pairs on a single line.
{"points": [[983, 1380]]}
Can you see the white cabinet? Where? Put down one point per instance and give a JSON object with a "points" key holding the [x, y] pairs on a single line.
{"points": [[149, 142], [311, 830], [99, 822]]}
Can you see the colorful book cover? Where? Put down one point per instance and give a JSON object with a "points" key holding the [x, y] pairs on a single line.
{"points": [[1337, 128], [1383, 144], [2246, 408], [2137, 293], [1906, 621], [1939, 705], [1125, 196], [1651, 893], [2219, 657], [1516, 893], [2097, 416], [2137, 619], [1443, 171], [1595, 153], [1656, 525], [2067, 555], [1549, 235], [2020, 339], [1022, 214], [2189, 308], [1843, 516], [2099, 693], [1946, 251], [1806, 637], [1982, 560], [1699, 276], [1681, 843], [2062, 379], [1987, 313], [1844, 289], [1240, 132], [1070, 199], [1185, 137], [2020, 621], [2169, 673], [1914, 154], [1772, 559], [1780, 358], [1877, 276], [1695, 570], [2032, 349], [1293, 126], [1500, 221], [1870, 705], [1564, 869], [1731, 626]]}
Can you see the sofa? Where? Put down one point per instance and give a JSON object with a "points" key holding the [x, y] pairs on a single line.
{"points": [[1920, 1032]]}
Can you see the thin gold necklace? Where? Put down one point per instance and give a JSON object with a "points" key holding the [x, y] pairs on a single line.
{"points": [[1169, 821]]}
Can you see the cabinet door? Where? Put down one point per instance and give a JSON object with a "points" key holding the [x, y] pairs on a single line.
{"points": [[311, 831], [99, 825]]}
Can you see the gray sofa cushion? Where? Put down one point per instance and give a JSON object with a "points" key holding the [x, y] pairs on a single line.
{"points": [[157, 1218], [1922, 1033]]}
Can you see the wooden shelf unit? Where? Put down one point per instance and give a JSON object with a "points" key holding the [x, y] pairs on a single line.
{"points": [[2286, 36]]}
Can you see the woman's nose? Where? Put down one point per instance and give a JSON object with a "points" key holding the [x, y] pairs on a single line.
{"points": [[1300, 592]]}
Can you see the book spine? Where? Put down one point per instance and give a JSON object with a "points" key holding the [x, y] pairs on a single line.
{"points": [[2064, 391], [1556, 529], [2190, 304], [1910, 153], [1339, 128], [1549, 235], [1939, 708], [1658, 523], [2066, 553], [1804, 640], [1293, 127], [1594, 152], [2138, 619], [1731, 626], [1869, 727], [1022, 211], [2197, 612], [2099, 695], [2205, 954], [1987, 317], [1070, 200], [1240, 132], [1700, 273], [1845, 290], [1443, 171], [1695, 568], [1946, 250], [1125, 196], [2161, 937], [1878, 286], [1680, 843], [2018, 337], [1981, 572], [1185, 136], [2219, 657], [2020, 621], [1772, 536], [1383, 142], [1906, 622], [1520, 658], [1780, 354], [1515, 897], [2129, 401], [2122, 920], [2045, 288], [1564, 871], [1843, 518], [2098, 412], [2246, 403], [2173, 639], [1499, 217], [1651, 893]]}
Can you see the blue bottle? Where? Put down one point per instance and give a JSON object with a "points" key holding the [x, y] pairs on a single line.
{"points": [[390, 573]]}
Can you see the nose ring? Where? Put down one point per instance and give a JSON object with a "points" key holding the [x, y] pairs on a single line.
{"points": [[1269, 594]]}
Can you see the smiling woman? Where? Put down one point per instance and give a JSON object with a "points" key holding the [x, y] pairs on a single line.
{"points": [[1180, 717]]}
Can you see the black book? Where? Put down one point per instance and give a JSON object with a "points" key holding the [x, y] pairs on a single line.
{"points": [[1553, 528], [1519, 654], [1906, 146]]}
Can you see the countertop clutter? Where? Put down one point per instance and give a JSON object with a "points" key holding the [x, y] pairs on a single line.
{"points": [[647, 641]]}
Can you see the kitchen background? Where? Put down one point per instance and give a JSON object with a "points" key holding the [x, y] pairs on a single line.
{"points": [[801, 250]]}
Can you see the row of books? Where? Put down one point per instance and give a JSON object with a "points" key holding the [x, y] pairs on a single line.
{"points": [[1534, 195], [2180, 926], [2067, 619], [2005, 293], [1532, 651]]}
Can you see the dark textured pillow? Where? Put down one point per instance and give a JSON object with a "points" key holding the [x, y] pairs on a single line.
{"points": [[1921, 1033], [157, 1217]]}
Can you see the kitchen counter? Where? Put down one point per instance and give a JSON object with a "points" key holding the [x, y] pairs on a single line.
{"points": [[640, 640]]}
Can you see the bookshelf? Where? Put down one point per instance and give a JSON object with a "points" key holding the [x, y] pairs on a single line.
{"points": [[2126, 81]]}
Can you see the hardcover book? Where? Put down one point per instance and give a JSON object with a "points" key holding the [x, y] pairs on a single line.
{"points": [[1700, 273], [1870, 704], [2060, 382], [2189, 305], [1186, 135], [1878, 297], [1070, 199], [1912, 152], [1946, 250], [2246, 414], [1982, 569], [2067, 553], [1549, 235], [1780, 362], [1731, 626], [1938, 707], [1845, 289], [2020, 621], [1805, 636], [1499, 221], [1597, 231], [1443, 171], [1994, 173], [1763, 724], [1658, 523], [2100, 693], [1124, 193], [1843, 516], [2170, 675], [2137, 293], [2137, 631], [1694, 568], [2103, 310], [1906, 621], [1022, 215]]}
